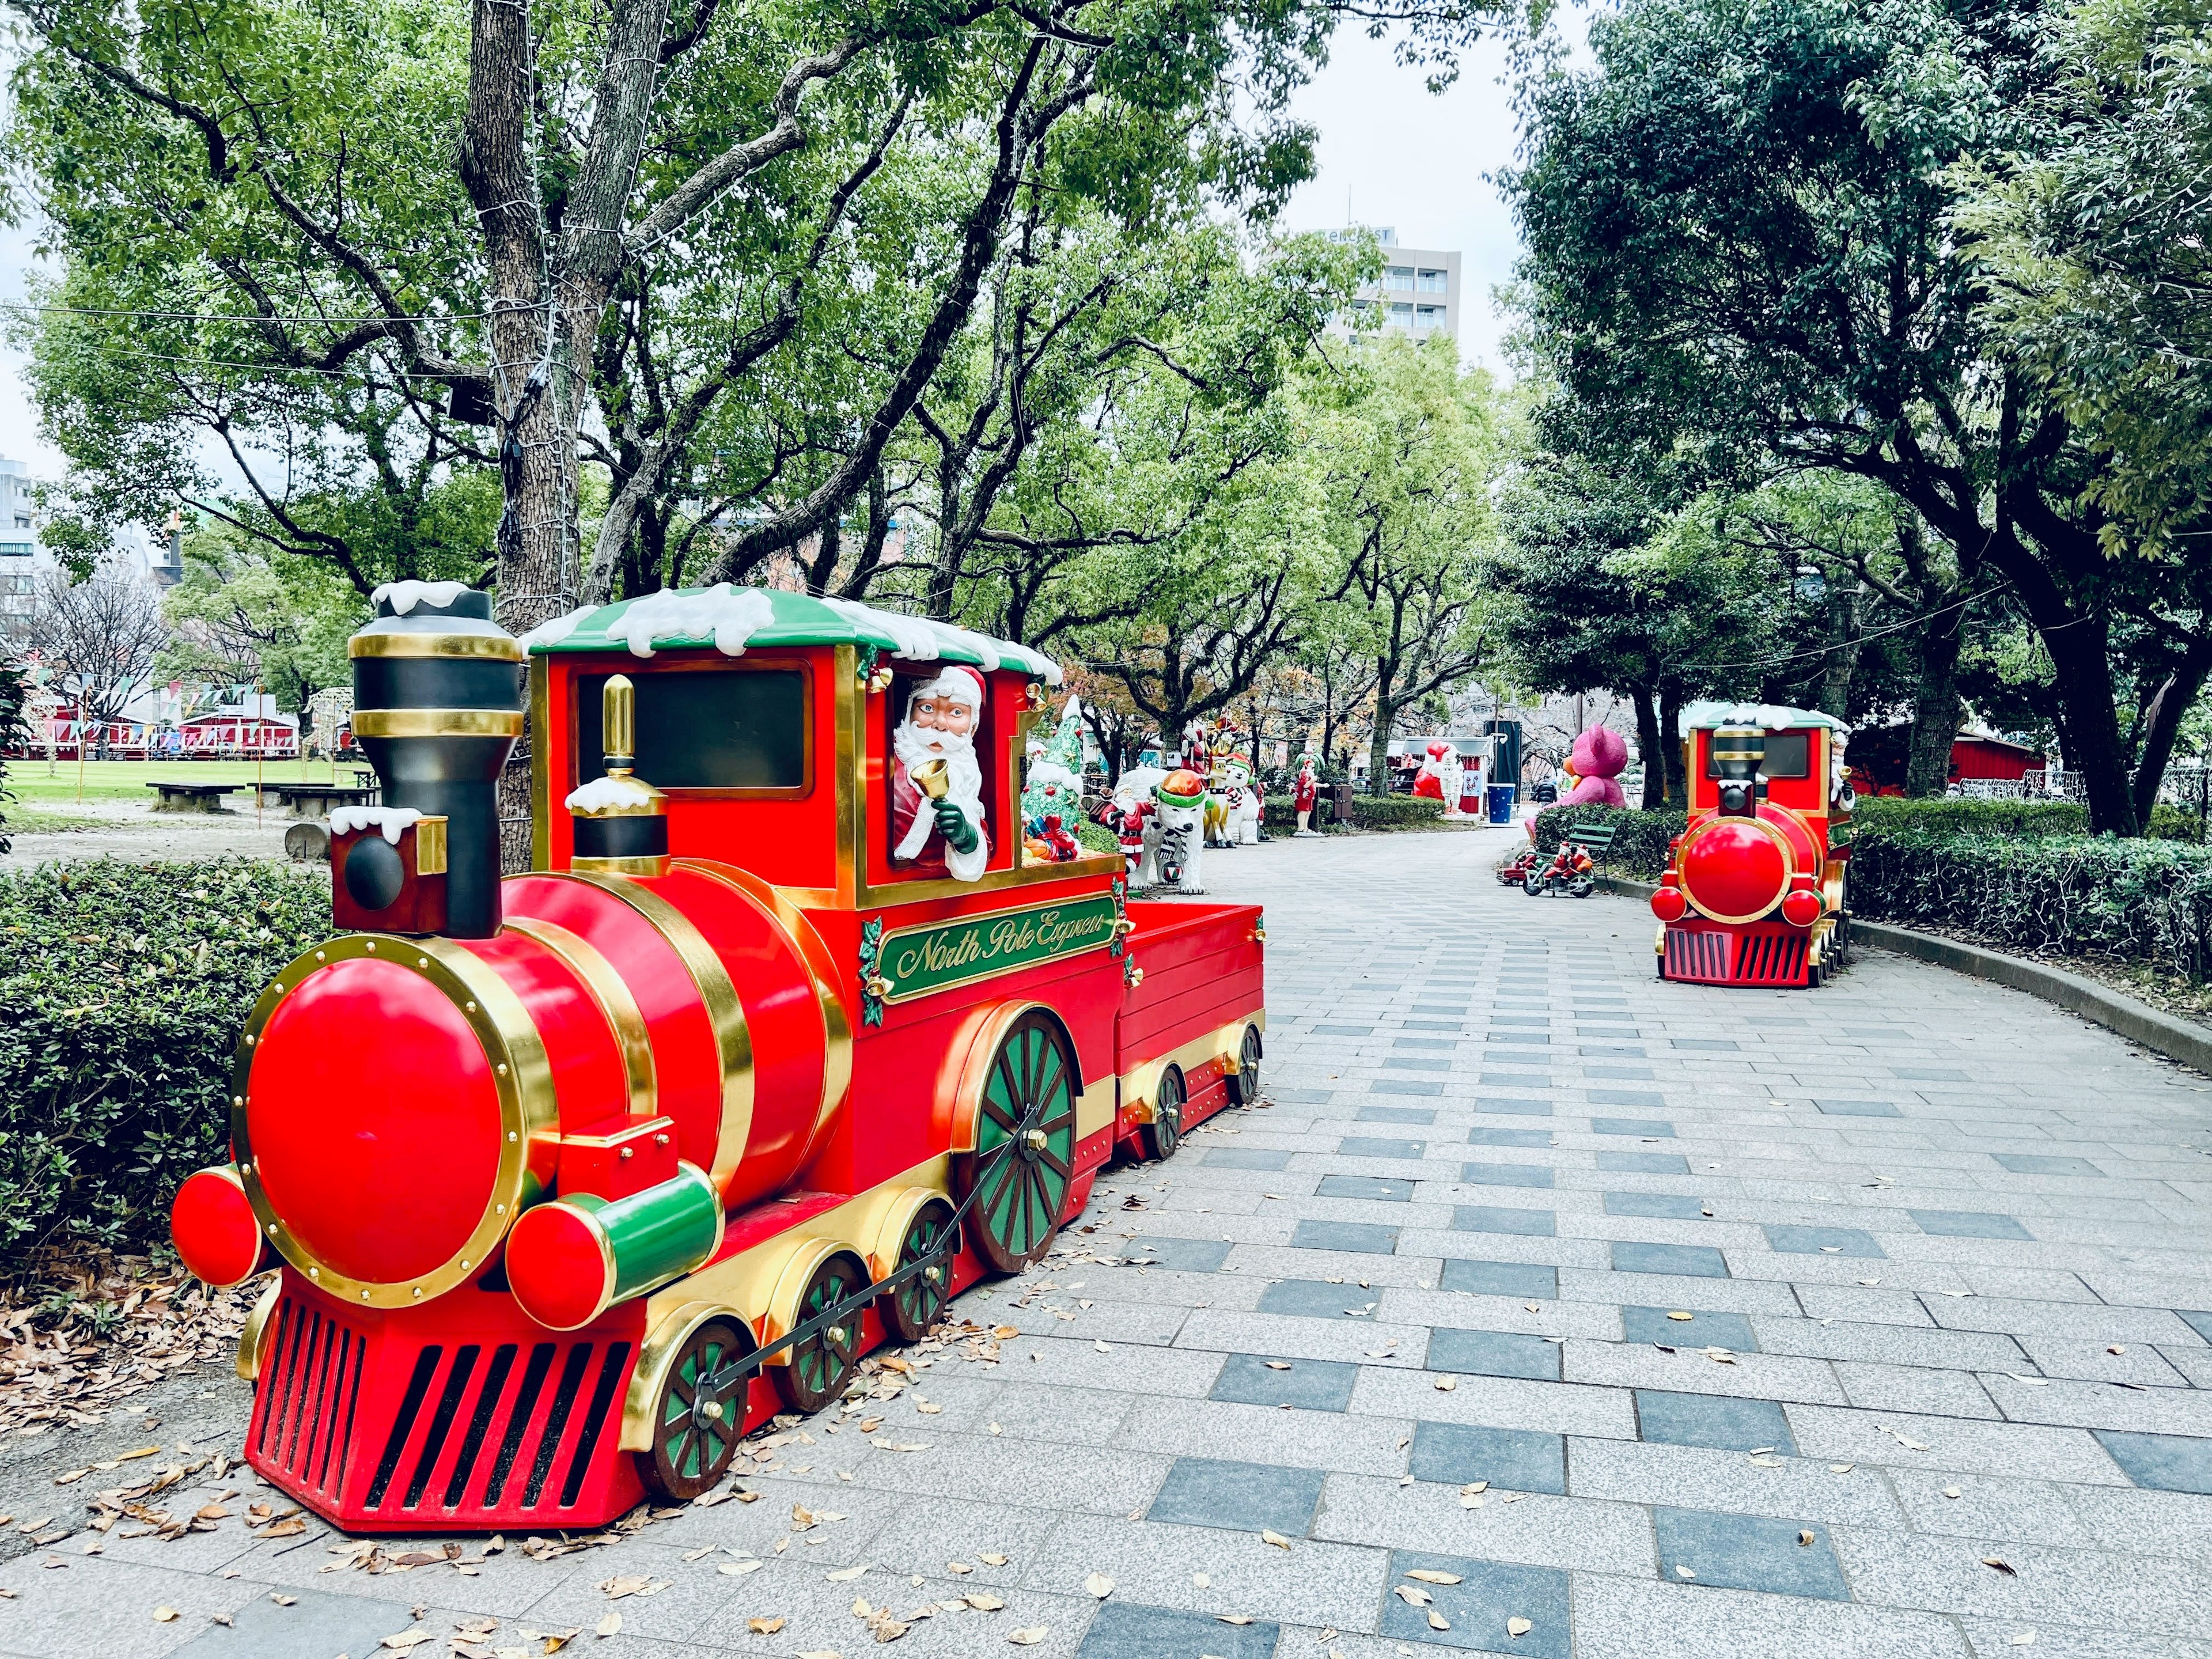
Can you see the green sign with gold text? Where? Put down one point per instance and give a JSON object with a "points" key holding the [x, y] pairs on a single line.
{"points": [[917, 961]]}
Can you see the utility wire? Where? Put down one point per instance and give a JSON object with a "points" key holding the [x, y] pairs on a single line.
{"points": [[248, 316], [1873, 633]]}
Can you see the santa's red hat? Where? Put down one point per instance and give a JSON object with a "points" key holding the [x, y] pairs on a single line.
{"points": [[961, 683], [1438, 751]]}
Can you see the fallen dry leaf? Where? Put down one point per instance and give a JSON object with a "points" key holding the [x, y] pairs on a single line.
{"points": [[1518, 1626], [733, 1569], [1447, 1384], [1804, 1539], [1028, 1636], [847, 1575], [610, 1625], [1950, 1492], [2001, 1565], [1274, 1538], [1438, 1622], [983, 1601], [1841, 1469], [1412, 1595], [1427, 1576], [165, 1616], [1685, 1573], [1232, 1618], [281, 1599], [2025, 1639], [764, 1626], [1278, 1365], [1099, 1585]]}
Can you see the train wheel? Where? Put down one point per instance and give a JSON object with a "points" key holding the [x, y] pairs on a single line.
{"points": [[820, 1365], [910, 1309], [1244, 1087], [700, 1412], [1165, 1133], [1022, 1182]]}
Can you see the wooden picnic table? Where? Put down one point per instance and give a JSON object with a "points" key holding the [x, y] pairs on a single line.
{"points": [[192, 796], [317, 800]]}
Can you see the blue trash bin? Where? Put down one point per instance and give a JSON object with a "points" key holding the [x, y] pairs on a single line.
{"points": [[1501, 803]]}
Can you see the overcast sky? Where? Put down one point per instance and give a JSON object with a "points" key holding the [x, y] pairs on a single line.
{"points": [[1390, 154]]}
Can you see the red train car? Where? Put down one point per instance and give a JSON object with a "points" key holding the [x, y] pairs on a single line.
{"points": [[573, 1177], [1753, 890]]}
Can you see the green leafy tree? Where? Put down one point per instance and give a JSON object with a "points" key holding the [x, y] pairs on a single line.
{"points": [[241, 615]]}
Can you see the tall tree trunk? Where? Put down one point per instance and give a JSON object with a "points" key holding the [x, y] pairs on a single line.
{"points": [[2080, 655], [1843, 658], [1936, 709], [1378, 745], [1650, 747], [1670, 746], [2163, 724]]}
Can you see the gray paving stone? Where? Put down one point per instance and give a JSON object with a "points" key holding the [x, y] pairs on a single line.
{"points": [[1630, 1619], [1704, 1478], [1511, 1460], [1478, 1606], [1417, 1114], [1650, 1128], [1497, 1218], [1625, 1097], [1364, 1237], [1643, 1164], [1727, 1330], [1512, 1106], [1857, 1109], [2168, 1463], [1816, 1241], [1313, 1385], [1968, 1223], [1748, 1551], [1505, 1174], [312, 1623], [1515, 1278], [2042, 1164], [1314, 1298], [1373, 1188], [1122, 1630], [1389, 1086], [1480, 1136], [1196, 1256], [1721, 1422], [1245, 1157], [1692, 1261], [1376, 1146], [1669, 1207], [1493, 1353], [1201, 1492]]}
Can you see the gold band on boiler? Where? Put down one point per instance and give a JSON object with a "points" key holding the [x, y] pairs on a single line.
{"points": [[501, 647], [732, 1041], [619, 1007], [437, 723], [821, 967]]}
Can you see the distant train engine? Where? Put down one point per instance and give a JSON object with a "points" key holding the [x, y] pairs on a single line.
{"points": [[1753, 890]]}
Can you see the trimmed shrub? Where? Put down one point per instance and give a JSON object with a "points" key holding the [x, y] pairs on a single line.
{"points": [[1395, 812], [1640, 839], [2147, 902], [125, 986], [1944, 816], [2169, 823], [1281, 813]]}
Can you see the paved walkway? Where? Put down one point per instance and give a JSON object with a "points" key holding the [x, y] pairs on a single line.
{"points": [[1401, 1361]]}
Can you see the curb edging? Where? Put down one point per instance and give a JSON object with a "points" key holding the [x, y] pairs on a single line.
{"points": [[2138, 1022]]}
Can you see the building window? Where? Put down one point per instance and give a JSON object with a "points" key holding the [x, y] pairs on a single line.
{"points": [[1399, 277], [1434, 282], [1402, 316], [16, 549], [22, 521], [1428, 317]]}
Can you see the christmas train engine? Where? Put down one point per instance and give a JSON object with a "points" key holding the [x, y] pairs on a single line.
{"points": [[572, 1178], [1753, 890]]}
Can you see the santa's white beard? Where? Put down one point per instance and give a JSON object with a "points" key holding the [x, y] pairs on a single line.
{"points": [[963, 774]]}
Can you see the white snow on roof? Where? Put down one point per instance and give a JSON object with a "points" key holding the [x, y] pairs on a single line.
{"points": [[924, 638], [405, 596], [1704, 716], [557, 628], [729, 616], [389, 821]]}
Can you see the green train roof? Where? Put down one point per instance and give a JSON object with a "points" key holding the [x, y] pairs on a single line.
{"points": [[731, 619]]}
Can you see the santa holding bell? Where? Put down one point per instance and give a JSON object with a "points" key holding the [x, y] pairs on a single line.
{"points": [[937, 783], [1304, 793]]}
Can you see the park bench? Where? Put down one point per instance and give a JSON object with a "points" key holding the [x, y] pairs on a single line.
{"points": [[192, 796], [1597, 838], [316, 800]]}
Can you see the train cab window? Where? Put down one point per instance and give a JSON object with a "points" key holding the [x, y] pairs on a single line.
{"points": [[1788, 755], [741, 730]]}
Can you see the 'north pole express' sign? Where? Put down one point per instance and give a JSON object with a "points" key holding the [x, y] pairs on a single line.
{"points": [[917, 961]]}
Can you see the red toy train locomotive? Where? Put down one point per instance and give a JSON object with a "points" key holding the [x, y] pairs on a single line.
{"points": [[573, 1177], [1753, 890]]}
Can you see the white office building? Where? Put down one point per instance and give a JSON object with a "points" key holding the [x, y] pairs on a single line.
{"points": [[1418, 292], [20, 557]]}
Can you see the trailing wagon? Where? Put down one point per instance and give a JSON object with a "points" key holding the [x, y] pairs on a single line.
{"points": [[572, 1178]]}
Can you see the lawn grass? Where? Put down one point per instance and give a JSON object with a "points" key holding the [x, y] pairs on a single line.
{"points": [[32, 784]]}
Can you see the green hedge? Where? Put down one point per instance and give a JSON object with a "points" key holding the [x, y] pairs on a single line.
{"points": [[2146, 901], [1395, 812], [124, 986], [1640, 839], [1945, 815], [14, 685]]}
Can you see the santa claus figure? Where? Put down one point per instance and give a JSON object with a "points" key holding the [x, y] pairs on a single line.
{"points": [[1304, 793], [937, 783], [1439, 776]]}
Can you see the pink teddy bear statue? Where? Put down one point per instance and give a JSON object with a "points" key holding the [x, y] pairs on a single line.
{"points": [[1600, 755]]}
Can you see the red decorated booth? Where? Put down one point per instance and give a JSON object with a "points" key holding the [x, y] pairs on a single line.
{"points": [[573, 1177]]}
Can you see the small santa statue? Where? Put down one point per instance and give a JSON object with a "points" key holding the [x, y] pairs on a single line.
{"points": [[1304, 795], [937, 783], [1439, 776]]}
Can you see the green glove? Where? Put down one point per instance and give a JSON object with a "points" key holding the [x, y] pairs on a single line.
{"points": [[952, 824]]}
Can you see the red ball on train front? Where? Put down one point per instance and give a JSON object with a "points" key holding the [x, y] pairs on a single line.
{"points": [[375, 1122], [1733, 870]]}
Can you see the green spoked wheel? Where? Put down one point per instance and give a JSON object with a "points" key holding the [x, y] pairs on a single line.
{"points": [[1165, 1133], [912, 1305], [1244, 1086], [702, 1410], [822, 1365], [1020, 1178]]}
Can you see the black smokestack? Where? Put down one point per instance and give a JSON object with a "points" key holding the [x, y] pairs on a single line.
{"points": [[437, 693]]}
